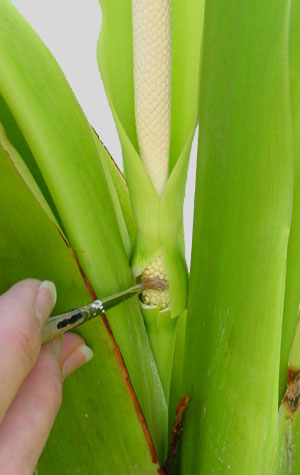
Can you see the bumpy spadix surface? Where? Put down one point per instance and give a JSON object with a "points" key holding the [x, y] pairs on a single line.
{"points": [[152, 85], [155, 271]]}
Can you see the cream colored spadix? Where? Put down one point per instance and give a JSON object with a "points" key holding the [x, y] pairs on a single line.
{"points": [[152, 85]]}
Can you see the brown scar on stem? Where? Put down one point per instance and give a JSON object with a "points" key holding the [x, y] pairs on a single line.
{"points": [[121, 362], [292, 395], [176, 434]]}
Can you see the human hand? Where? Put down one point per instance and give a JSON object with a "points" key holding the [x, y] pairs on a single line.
{"points": [[31, 375]]}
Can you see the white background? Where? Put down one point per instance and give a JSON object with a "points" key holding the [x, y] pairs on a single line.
{"points": [[70, 29]]}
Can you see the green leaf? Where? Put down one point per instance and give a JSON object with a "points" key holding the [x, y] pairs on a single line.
{"points": [[16, 138], [105, 161], [65, 150], [25, 173], [292, 292], [59, 137], [121, 188], [242, 216], [32, 245], [187, 28]]}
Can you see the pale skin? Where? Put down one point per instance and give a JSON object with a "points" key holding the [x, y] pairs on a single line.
{"points": [[31, 375]]}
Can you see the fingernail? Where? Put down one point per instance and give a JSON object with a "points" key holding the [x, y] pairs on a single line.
{"points": [[56, 347], [45, 301], [79, 357]]}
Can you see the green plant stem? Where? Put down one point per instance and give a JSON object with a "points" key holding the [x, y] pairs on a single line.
{"points": [[242, 217], [292, 292]]}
